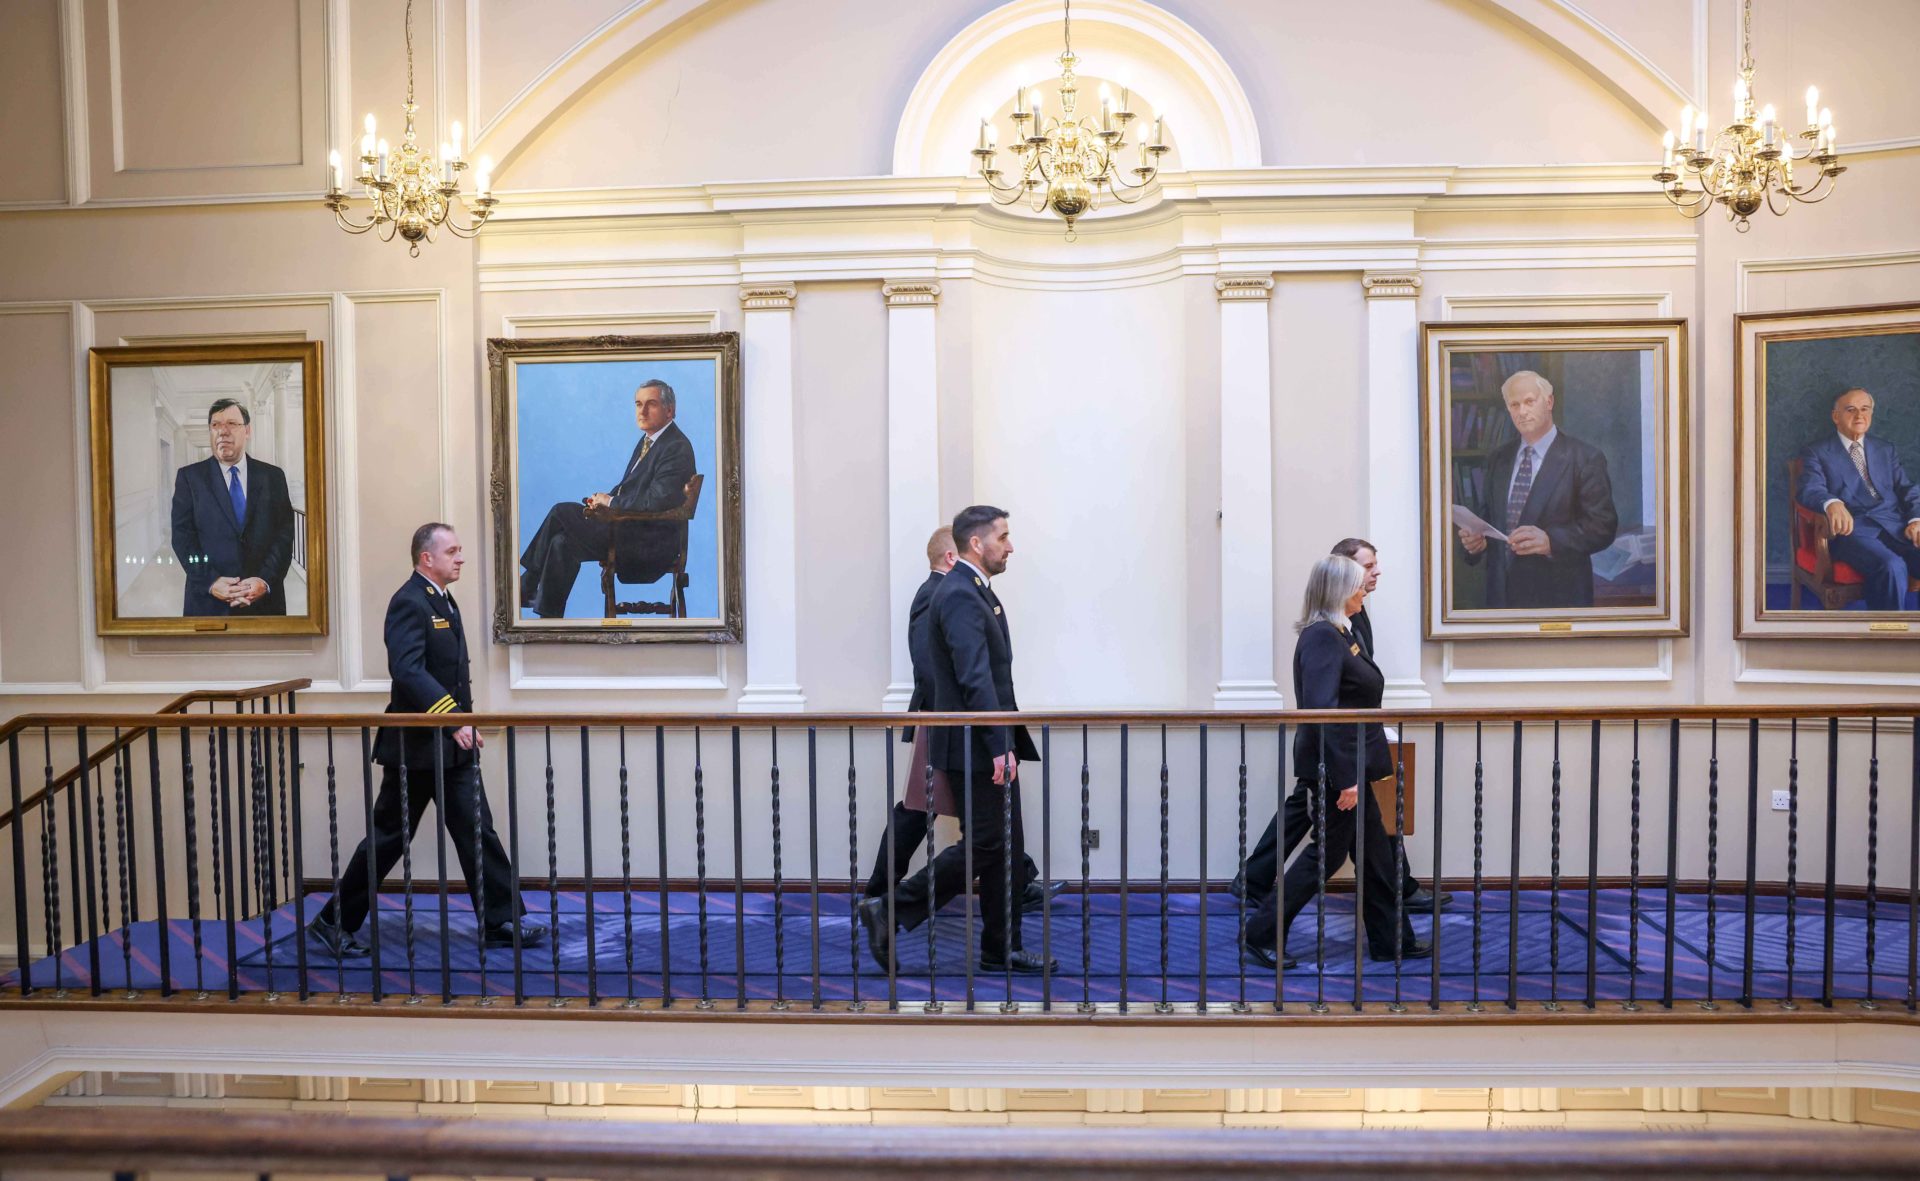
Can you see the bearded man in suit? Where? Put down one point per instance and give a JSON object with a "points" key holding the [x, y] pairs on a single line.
{"points": [[655, 480], [1872, 508], [1550, 494]]}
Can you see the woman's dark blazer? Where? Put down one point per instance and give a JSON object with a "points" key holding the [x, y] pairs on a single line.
{"points": [[1331, 670]]}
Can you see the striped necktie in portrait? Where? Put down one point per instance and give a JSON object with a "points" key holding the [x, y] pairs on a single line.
{"points": [[1522, 485], [1859, 455]]}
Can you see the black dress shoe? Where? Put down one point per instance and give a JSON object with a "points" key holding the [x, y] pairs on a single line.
{"points": [[1264, 956], [532, 934], [1023, 962], [331, 937], [1035, 897], [873, 916], [1424, 901], [1411, 948]]}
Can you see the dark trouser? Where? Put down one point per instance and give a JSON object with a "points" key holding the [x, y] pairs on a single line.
{"points": [[552, 561], [1885, 560], [985, 835], [1264, 861], [1302, 881], [462, 792], [908, 832]]}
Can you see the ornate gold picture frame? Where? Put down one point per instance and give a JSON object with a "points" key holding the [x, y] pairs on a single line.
{"points": [[1553, 476], [209, 489]]}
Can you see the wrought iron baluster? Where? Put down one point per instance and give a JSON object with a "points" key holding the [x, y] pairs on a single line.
{"points": [[1913, 872], [1713, 858], [1873, 852], [406, 867], [50, 868], [1200, 1003], [1397, 1004], [626, 872], [1362, 796], [586, 874], [1833, 856], [1633, 881], [228, 824], [216, 826], [1240, 867], [25, 955], [121, 840], [479, 884], [1753, 855], [97, 870], [1125, 887], [1046, 868], [553, 872], [932, 1003], [1553, 890], [968, 837], [893, 880], [665, 901], [853, 872], [1439, 877], [1479, 854], [779, 913], [1593, 867], [440, 824], [1164, 1005], [377, 988], [1280, 872], [1513, 881], [700, 870], [259, 749], [1793, 857], [296, 882], [513, 868], [333, 858], [739, 884], [84, 840], [1009, 916], [1317, 805], [288, 822]]}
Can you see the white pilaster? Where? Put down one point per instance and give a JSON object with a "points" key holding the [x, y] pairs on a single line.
{"points": [[1393, 492], [773, 622], [1246, 496], [913, 464]]}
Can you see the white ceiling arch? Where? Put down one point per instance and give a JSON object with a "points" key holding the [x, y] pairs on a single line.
{"points": [[1171, 67]]}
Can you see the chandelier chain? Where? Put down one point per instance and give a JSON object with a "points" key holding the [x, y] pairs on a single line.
{"points": [[409, 52], [1746, 37], [1067, 24]]}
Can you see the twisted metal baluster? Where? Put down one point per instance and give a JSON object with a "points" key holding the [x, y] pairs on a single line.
{"points": [[1126, 888], [665, 901], [1398, 1004], [215, 829], [1553, 895], [1086, 874], [1240, 860], [933, 1004], [120, 849], [406, 866], [1164, 1005], [553, 876], [192, 826], [97, 826], [1833, 856], [1873, 851], [286, 840], [857, 1005], [1479, 853], [1713, 856], [260, 791], [700, 868], [813, 865], [1633, 882], [1793, 855], [50, 871], [1317, 809], [1206, 884], [333, 860], [779, 911], [1593, 864], [626, 872]]}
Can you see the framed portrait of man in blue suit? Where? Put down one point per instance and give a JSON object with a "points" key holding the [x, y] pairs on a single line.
{"points": [[1829, 473], [616, 488], [1556, 490], [209, 489]]}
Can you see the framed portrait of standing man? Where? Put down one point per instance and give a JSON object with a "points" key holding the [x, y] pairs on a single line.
{"points": [[1828, 473], [209, 489], [616, 489], [1555, 493]]}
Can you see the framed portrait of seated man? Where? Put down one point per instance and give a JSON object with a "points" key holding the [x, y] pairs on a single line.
{"points": [[1827, 485], [1554, 479], [209, 489], [616, 489]]}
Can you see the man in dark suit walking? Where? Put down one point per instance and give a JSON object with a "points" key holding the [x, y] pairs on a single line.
{"points": [[1550, 494], [427, 661], [1872, 508], [907, 827], [232, 523], [1256, 878], [972, 664], [655, 480]]}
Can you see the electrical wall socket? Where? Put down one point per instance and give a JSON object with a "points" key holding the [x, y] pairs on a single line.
{"points": [[1781, 801], [1093, 838]]}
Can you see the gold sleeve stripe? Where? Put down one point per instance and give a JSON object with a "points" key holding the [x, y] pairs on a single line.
{"points": [[444, 705]]}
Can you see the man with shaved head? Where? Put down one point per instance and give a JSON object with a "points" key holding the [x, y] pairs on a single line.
{"points": [[1550, 494]]}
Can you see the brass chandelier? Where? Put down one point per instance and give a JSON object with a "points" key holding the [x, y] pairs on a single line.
{"points": [[410, 194], [1065, 164], [1749, 163]]}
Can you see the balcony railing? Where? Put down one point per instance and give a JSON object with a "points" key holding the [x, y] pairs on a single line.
{"points": [[1600, 861]]}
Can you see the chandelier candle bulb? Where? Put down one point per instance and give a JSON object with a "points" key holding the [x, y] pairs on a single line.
{"points": [[333, 172], [1767, 126], [986, 135], [453, 148], [382, 153], [1700, 131], [446, 164], [1813, 106], [1667, 145]]}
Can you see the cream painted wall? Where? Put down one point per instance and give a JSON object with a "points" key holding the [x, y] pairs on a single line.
{"points": [[1078, 383]]}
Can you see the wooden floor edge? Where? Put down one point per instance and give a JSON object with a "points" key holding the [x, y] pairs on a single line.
{"points": [[1452, 1013]]}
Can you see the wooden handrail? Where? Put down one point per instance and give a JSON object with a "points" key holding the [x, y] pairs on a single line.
{"points": [[133, 730], [135, 1139], [1220, 720]]}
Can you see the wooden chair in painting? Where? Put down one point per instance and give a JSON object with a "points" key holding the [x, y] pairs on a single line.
{"points": [[626, 563], [1832, 583]]}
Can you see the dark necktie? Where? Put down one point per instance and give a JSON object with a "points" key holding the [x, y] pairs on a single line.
{"points": [[237, 495], [1522, 485], [1860, 464]]}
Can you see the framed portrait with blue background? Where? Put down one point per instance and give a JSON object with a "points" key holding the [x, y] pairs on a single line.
{"points": [[1828, 473], [1554, 488], [616, 490]]}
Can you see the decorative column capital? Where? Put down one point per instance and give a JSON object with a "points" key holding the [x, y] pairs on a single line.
{"points": [[767, 297], [1391, 284], [913, 293], [1238, 287]]}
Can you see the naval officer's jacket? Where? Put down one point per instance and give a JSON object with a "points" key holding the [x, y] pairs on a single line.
{"points": [[427, 660]]}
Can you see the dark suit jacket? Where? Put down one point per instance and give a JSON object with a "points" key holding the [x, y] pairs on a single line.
{"points": [[211, 543], [1362, 631], [427, 660], [658, 483], [1572, 501], [1332, 671], [972, 665], [920, 647], [1827, 473]]}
